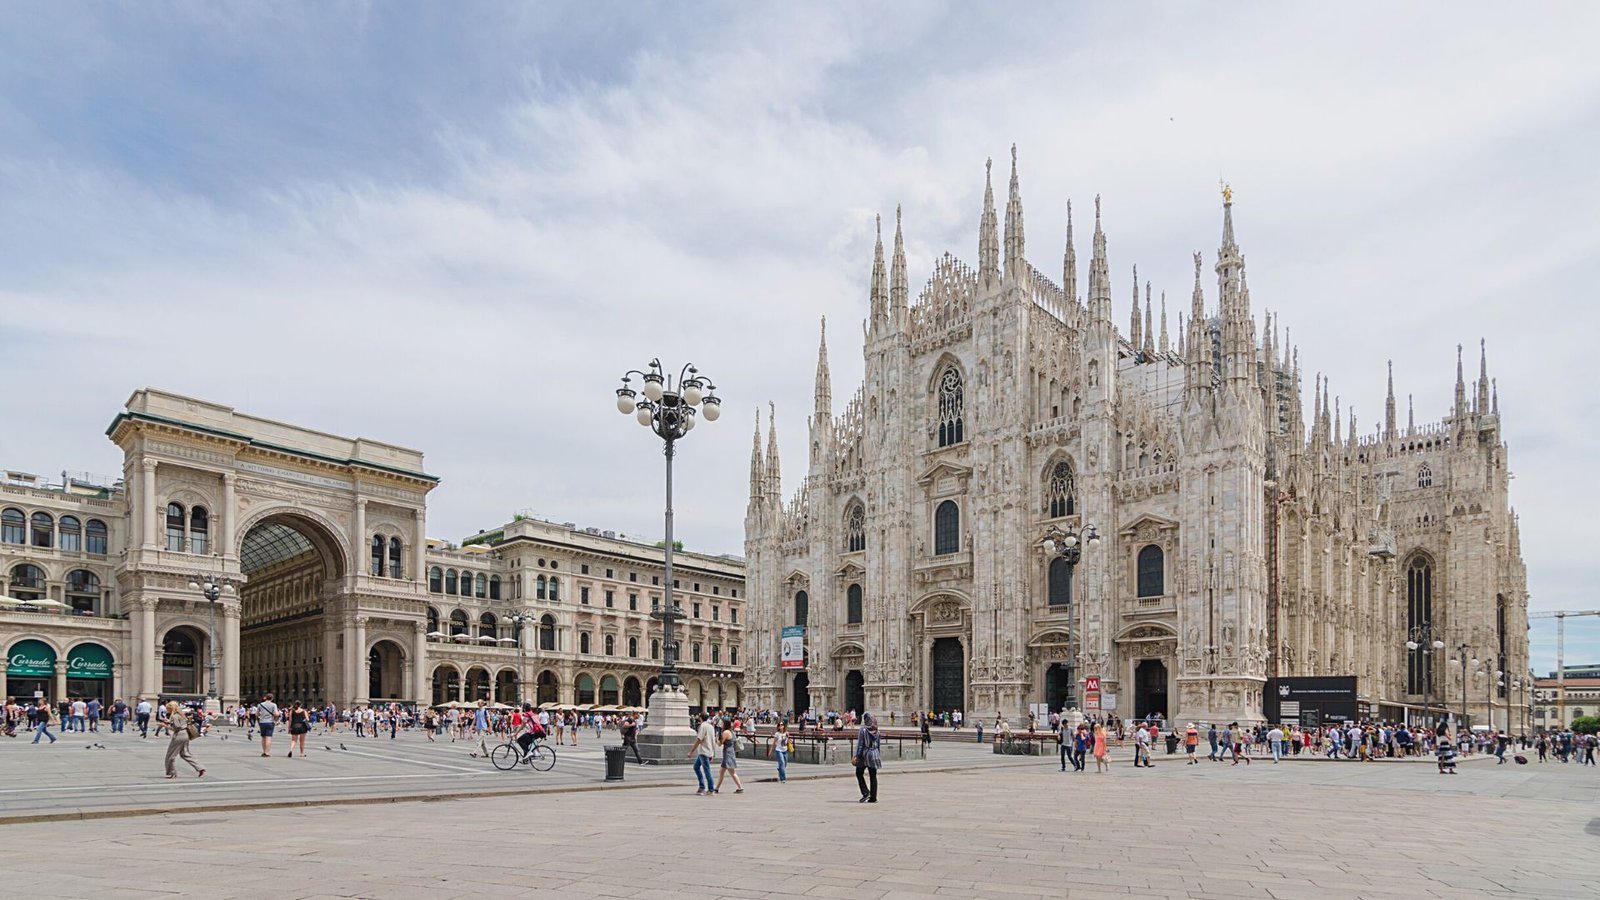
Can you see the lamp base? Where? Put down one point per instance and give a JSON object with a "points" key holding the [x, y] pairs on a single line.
{"points": [[666, 739]]}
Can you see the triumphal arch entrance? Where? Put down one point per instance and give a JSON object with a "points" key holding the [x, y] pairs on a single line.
{"points": [[321, 538]]}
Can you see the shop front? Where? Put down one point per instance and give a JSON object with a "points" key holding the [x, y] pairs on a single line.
{"points": [[89, 672], [30, 670]]}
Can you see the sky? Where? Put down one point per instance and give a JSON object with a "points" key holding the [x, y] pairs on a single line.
{"points": [[454, 226]]}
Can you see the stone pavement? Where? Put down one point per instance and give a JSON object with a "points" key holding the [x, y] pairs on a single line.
{"points": [[1207, 831]]}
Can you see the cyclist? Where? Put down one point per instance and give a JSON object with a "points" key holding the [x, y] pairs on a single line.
{"points": [[527, 722]]}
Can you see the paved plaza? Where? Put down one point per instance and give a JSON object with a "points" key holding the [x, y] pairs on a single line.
{"points": [[963, 824]]}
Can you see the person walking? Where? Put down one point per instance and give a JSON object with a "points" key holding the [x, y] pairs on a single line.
{"points": [[42, 714], [1141, 748], [1064, 743], [299, 727], [779, 748], [868, 758], [701, 751], [927, 738], [267, 722], [183, 731], [1100, 764], [1191, 742], [728, 740], [1275, 738], [630, 736], [119, 715], [141, 716]]}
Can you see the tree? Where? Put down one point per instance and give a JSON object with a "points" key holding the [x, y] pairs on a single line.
{"points": [[677, 546], [1586, 724]]}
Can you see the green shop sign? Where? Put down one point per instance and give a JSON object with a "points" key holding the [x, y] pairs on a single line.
{"points": [[31, 658], [88, 661]]}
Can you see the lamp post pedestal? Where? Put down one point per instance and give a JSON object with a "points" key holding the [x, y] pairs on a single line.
{"points": [[669, 732]]}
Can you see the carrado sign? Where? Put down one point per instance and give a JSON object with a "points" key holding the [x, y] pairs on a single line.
{"points": [[89, 661], [31, 659]]}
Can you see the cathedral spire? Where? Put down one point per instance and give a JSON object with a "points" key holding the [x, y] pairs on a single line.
{"points": [[1165, 347], [1099, 274], [1388, 407], [1483, 376], [1069, 263], [988, 238], [773, 470], [1015, 243], [899, 286], [1494, 403], [1411, 414], [880, 284], [1134, 334], [1149, 346], [1197, 361], [1181, 348], [1461, 390], [824, 388], [757, 473]]}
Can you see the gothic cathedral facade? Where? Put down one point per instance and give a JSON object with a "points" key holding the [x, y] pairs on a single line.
{"points": [[1239, 541]]}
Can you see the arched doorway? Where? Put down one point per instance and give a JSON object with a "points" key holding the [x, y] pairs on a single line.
{"points": [[855, 692], [505, 687], [650, 686], [477, 684], [446, 684], [584, 693], [1150, 688], [182, 667], [1059, 687], [802, 693], [631, 695], [610, 691], [549, 688], [291, 563], [949, 676], [385, 671]]}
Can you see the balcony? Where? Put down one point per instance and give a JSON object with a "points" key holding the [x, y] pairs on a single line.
{"points": [[1134, 608], [955, 566]]}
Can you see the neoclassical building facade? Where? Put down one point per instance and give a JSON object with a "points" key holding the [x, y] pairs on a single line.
{"points": [[335, 592], [1240, 540]]}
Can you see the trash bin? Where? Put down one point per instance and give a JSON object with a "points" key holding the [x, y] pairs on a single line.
{"points": [[1172, 744], [616, 763]]}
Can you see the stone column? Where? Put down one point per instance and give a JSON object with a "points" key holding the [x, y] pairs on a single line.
{"points": [[147, 497], [58, 689], [419, 548], [361, 541], [422, 687], [145, 660], [358, 661], [229, 676], [229, 510]]}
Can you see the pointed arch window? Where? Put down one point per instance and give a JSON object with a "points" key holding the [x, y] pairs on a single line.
{"points": [[1059, 589], [952, 428], [1059, 490], [395, 550], [1419, 612], [946, 528], [802, 608], [71, 533], [855, 528], [853, 605], [175, 522], [1152, 571], [1424, 476]]}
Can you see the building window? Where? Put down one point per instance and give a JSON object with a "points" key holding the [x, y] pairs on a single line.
{"points": [[95, 537], [395, 568], [716, 654], [695, 650], [655, 580], [375, 565], [1059, 589], [583, 642], [853, 605], [458, 624], [83, 591], [733, 656], [583, 595], [611, 573], [733, 614], [13, 527], [494, 587], [1152, 574], [1058, 492], [199, 530], [71, 534], [633, 577], [611, 599], [450, 581], [436, 580], [1424, 477], [655, 648], [1419, 611], [547, 633], [697, 587], [633, 602], [481, 586], [555, 589], [802, 608], [539, 590], [44, 530], [488, 627], [734, 593], [697, 610], [633, 647], [582, 570], [716, 614], [716, 589], [27, 582], [175, 527], [855, 528], [946, 528], [433, 622], [951, 427], [611, 645]]}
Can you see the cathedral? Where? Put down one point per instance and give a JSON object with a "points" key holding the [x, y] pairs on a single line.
{"points": [[1239, 541]]}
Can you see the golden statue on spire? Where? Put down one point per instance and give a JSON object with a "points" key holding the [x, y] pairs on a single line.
{"points": [[1227, 193]]}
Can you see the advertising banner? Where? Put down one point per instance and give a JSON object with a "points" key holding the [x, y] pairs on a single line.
{"points": [[793, 648], [31, 658], [88, 661]]}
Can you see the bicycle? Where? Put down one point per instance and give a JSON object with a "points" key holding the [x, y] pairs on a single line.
{"points": [[509, 755]]}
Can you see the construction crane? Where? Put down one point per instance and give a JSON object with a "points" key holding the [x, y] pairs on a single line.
{"points": [[1561, 653]]}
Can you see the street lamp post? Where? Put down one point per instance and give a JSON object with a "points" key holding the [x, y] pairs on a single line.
{"points": [[1420, 638], [1066, 544], [1460, 661], [212, 589], [520, 619], [670, 410]]}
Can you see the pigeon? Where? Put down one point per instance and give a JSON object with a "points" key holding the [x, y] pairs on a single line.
{"points": [[327, 748], [343, 747], [100, 746]]}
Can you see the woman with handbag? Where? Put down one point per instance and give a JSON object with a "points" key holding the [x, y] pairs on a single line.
{"points": [[868, 758], [183, 731], [730, 758]]}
